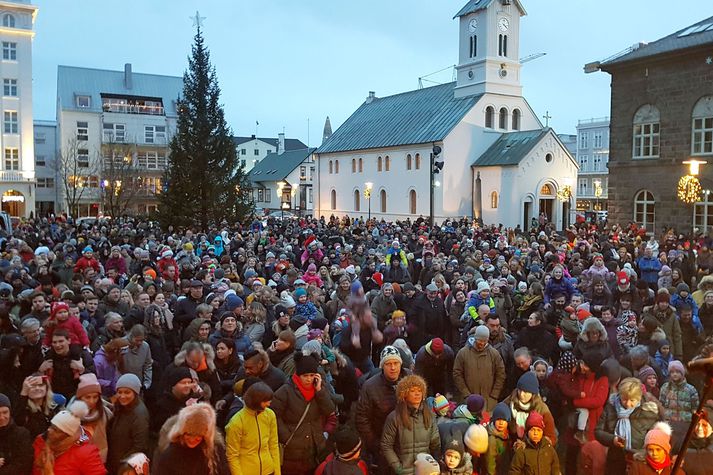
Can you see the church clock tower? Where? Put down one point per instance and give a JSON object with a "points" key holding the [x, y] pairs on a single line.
{"points": [[489, 48]]}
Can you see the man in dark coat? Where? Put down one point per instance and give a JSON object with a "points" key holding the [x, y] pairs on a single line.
{"points": [[426, 319], [434, 362], [186, 307], [64, 364], [15, 443]]}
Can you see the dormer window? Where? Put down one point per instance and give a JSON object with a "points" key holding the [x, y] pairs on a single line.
{"points": [[84, 102], [8, 21]]}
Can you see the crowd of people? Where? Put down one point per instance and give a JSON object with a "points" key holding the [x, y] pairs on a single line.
{"points": [[343, 346]]}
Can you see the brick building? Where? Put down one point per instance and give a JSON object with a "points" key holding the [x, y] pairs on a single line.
{"points": [[661, 115]]}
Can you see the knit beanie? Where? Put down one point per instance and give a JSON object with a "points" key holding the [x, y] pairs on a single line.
{"points": [[314, 334], [389, 353], [232, 302], [312, 347], [286, 299], [440, 404], [482, 333], [88, 384], [645, 372], [311, 268], [347, 443], [676, 365], [70, 419], [130, 381], [455, 443], [659, 435], [319, 323], [476, 439], [301, 292], [528, 382], [57, 307], [176, 375], [501, 412], [305, 364], [535, 419], [475, 403], [426, 465], [436, 346], [5, 401]]}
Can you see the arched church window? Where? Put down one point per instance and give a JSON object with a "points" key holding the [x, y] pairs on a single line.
{"points": [[489, 117]]}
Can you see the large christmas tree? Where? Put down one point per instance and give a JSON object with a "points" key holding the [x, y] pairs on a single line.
{"points": [[204, 183]]}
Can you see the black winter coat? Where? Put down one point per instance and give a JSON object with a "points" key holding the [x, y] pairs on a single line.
{"points": [[376, 401], [16, 449], [127, 433], [425, 322]]}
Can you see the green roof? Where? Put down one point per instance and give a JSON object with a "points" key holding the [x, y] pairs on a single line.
{"points": [[276, 167], [511, 147], [414, 117]]}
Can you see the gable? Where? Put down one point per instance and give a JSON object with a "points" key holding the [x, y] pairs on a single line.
{"points": [[514, 147]]}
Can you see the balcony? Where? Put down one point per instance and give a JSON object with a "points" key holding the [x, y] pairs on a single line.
{"points": [[17, 176]]}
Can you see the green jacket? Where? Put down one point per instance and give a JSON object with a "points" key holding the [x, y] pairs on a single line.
{"points": [[400, 445], [497, 459], [671, 327], [540, 459], [479, 372]]}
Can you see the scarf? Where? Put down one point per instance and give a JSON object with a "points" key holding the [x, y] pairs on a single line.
{"points": [[623, 424], [660, 465], [520, 411], [307, 392]]}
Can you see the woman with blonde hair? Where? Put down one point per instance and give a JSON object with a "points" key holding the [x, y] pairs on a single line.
{"points": [[37, 405], [193, 445], [410, 429], [255, 321]]}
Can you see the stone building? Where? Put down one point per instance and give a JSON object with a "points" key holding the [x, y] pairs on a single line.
{"points": [[661, 116]]}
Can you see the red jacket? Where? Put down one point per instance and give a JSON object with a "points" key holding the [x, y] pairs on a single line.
{"points": [[596, 392], [83, 263], [81, 459], [320, 470], [77, 334]]}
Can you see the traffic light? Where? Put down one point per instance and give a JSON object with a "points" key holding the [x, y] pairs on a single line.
{"points": [[437, 159]]}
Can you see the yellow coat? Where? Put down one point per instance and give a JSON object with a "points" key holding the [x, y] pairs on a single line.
{"points": [[251, 443]]}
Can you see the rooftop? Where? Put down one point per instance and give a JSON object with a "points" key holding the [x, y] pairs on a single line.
{"points": [[511, 147], [276, 167], [290, 144]]}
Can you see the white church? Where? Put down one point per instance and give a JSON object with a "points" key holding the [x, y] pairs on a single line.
{"points": [[499, 163]]}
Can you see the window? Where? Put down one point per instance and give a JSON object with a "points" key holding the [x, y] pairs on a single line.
{"points": [[361, 165], [516, 119], [9, 51], [303, 172], [12, 159], [387, 163], [333, 199], [353, 165], [583, 163], [243, 162], [151, 160], [310, 195], [703, 126], [703, 214], [548, 158], [502, 45], [9, 87], [646, 132], [45, 182], [357, 200], [418, 161], [83, 157], [494, 199], [11, 124], [256, 151], [503, 118], [645, 209], [582, 187], [82, 131], [597, 162], [132, 105], [546, 190], [243, 151], [8, 21], [408, 161], [336, 166], [331, 168], [412, 201], [114, 132], [84, 102], [40, 138], [584, 140], [382, 200], [260, 195], [473, 46], [598, 136], [40, 161], [268, 195], [155, 134], [489, 117], [379, 164], [311, 173]]}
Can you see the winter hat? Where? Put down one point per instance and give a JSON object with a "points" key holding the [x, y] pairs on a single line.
{"points": [[299, 282], [622, 278], [57, 307], [88, 384], [87, 249], [286, 299], [440, 404], [432, 287], [677, 366], [408, 382], [167, 254], [5, 401], [659, 435], [314, 334], [482, 333], [408, 286], [305, 364], [476, 439], [70, 420], [319, 323], [456, 444], [483, 285], [197, 419], [378, 277], [501, 412], [528, 382], [312, 348], [683, 287], [593, 359], [300, 292], [232, 302], [645, 372], [177, 375], [426, 465], [131, 381], [522, 286], [475, 403], [663, 297], [311, 268], [389, 353], [535, 419], [347, 443], [436, 346]]}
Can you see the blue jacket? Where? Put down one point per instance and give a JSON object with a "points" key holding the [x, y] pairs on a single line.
{"points": [[677, 302], [649, 268], [564, 286]]}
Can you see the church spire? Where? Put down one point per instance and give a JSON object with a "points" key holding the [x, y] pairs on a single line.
{"points": [[327, 130]]}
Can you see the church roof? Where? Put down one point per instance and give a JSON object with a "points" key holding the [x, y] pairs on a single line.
{"points": [[414, 117], [511, 147], [475, 5], [276, 167], [290, 144], [698, 34]]}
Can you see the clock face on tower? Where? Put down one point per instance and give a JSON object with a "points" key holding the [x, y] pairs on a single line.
{"points": [[472, 25], [503, 24]]}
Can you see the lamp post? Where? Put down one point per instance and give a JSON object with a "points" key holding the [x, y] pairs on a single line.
{"points": [[367, 194], [435, 168], [597, 193], [295, 189]]}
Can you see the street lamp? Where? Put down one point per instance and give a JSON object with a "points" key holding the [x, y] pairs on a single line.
{"points": [[367, 194], [597, 193], [436, 165], [295, 189]]}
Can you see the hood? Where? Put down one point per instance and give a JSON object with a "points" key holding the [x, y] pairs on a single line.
{"points": [[463, 412], [706, 280], [593, 324], [180, 358]]}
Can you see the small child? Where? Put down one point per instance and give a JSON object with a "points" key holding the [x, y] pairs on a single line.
{"points": [[395, 328], [311, 276], [498, 439], [476, 443], [455, 461], [440, 406], [425, 464], [658, 452], [627, 334], [665, 279], [59, 318], [570, 327], [678, 398], [327, 356], [647, 376], [542, 370], [663, 357], [535, 454], [472, 411], [304, 307]]}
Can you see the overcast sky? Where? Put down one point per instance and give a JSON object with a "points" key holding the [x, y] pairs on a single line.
{"points": [[282, 62]]}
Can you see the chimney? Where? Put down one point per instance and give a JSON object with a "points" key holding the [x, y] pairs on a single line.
{"points": [[281, 143], [128, 83], [370, 98]]}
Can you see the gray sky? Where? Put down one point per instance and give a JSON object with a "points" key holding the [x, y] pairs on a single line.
{"points": [[281, 62]]}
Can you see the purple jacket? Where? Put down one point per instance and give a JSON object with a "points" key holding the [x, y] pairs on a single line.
{"points": [[107, 373]]}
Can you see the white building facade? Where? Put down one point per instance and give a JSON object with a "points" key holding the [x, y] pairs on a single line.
{"points": [[284, 182], [251, 150], [47, 199], [593, 159], [17, 175], [388, 141]]}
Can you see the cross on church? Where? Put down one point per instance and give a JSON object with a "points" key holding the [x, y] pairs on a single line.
{"points": [[547, 118], [197, 20]]}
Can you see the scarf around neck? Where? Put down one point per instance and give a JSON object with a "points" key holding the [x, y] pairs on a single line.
{"points": [[623, 424], [659, 466], [520, 411], [307, 392]]}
